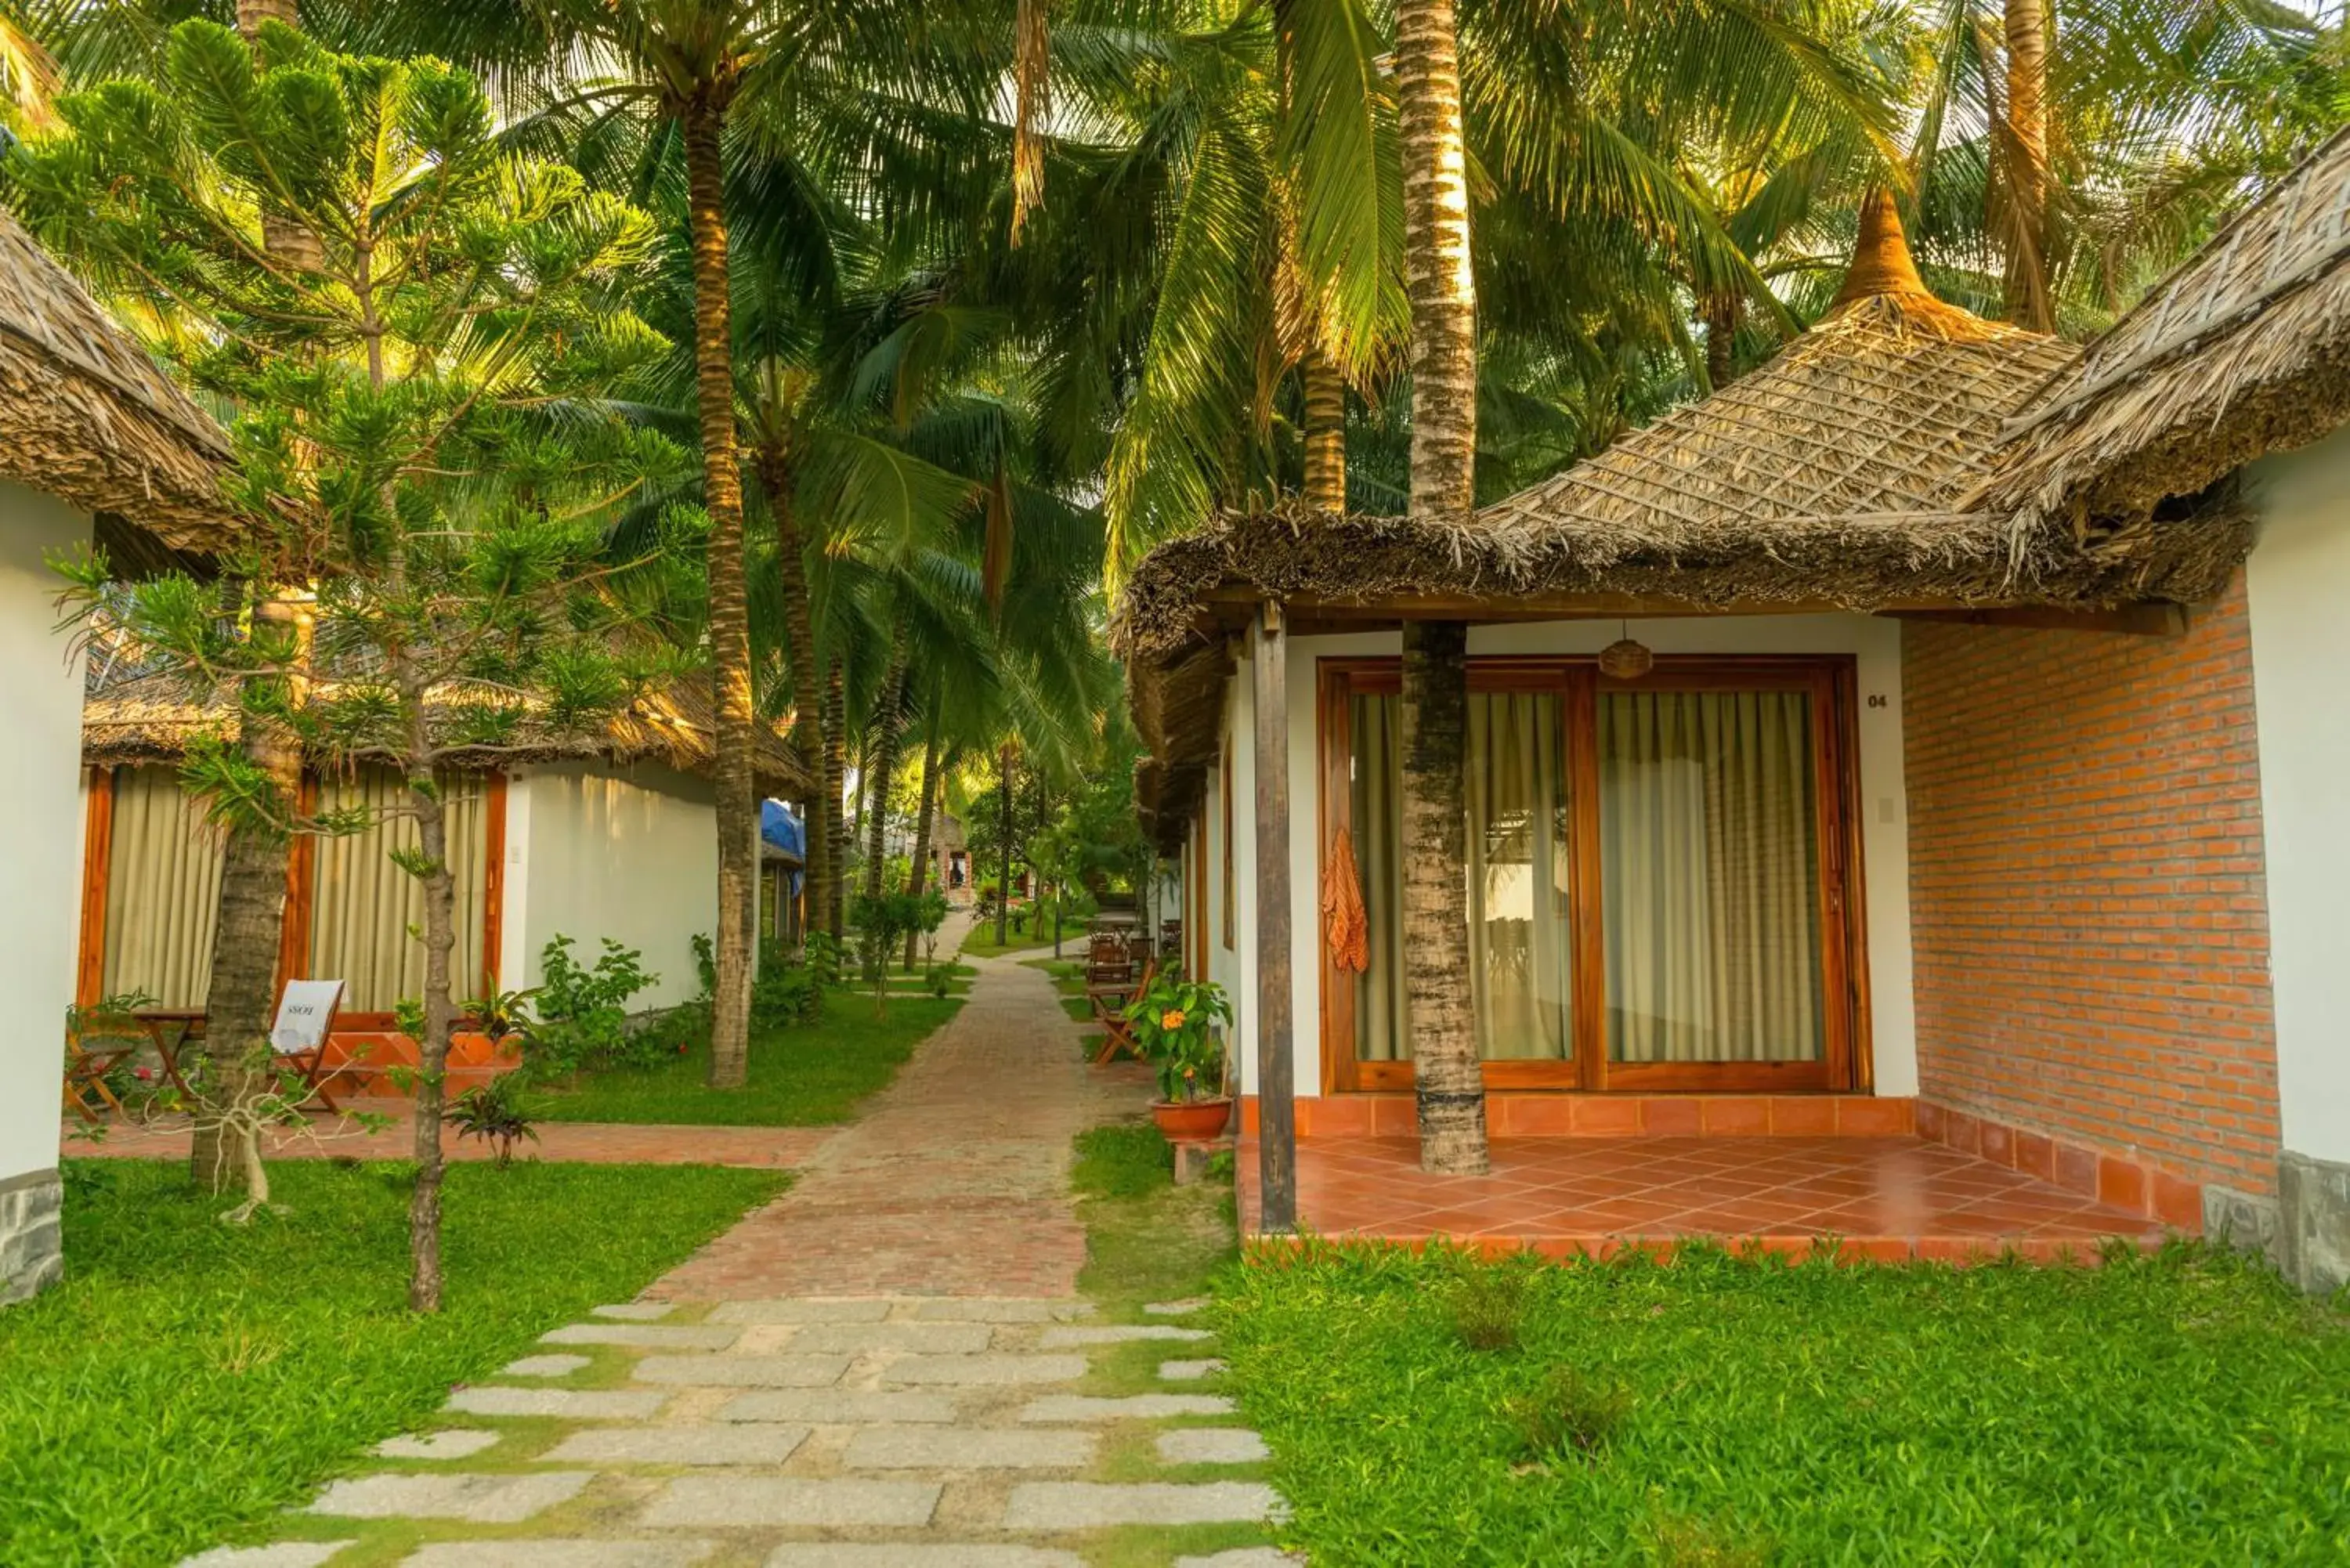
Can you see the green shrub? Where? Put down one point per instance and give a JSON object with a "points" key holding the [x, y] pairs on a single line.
{"points": [[1568, 1416], [582, 1013], [786, 990], [496, 1113], [1489, 1308]]}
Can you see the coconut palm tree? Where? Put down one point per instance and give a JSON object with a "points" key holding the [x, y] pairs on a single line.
{"points": [[1442, 286]]}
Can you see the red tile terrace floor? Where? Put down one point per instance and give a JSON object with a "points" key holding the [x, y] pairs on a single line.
{"points": [[590, 1143], [1887, 1198]]}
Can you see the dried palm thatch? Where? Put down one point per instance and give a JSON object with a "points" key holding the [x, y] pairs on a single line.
{"points": [[1828, 479], [87, 417], [2243, 350], [130, 718]]}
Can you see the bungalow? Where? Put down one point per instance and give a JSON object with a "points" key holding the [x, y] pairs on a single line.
{"points": [[95, 443], [1888, 743], [607, 835]]}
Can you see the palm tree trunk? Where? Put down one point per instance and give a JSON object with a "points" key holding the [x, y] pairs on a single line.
{"points": [[888, 730], [240, 998], [799, 629], [918, 873], [1442, 291], [836, 772], [2025, 286], [1325, 432], [704, 116], [1721, 314], [1003, 883], [240, 1001]]}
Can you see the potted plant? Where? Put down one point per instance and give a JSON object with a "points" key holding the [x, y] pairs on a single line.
{"points": [[1174, 1023]]}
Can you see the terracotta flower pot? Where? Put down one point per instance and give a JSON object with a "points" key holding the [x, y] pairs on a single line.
{"points": [[1192, 1121]]}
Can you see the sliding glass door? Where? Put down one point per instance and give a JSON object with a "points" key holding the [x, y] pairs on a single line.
{"points": [[1655, 875]]}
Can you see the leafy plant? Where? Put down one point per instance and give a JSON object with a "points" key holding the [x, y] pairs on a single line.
{"points": [[884, 921], [496, 1113], [1174, 1023], [786, 991], [1568, 1416], [939, 980], [583, 1013], [1489, 1308]]}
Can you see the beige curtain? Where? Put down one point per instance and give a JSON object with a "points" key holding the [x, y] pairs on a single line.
{"points": [[162, 891], [1710, 877], [1381, 1033], [364, 905], [1518, 951], [1520, 961]]}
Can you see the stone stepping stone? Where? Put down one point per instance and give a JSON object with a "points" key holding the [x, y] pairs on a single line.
{"points": [[634, 1311], [551, 1554], [967, 1448], [1063, 1408], [984, 1309], [645, 1336], [457, 1443], [1118, 1333], [1242, 1557], [476, 1499], [1210, 1446], [1175, 1309], [569, 1404], [751, 1501], [1188, 1371], [929, 1338], [813, 1309], [759, 1443], [991, 1370], [543, 1366], [1092, 1505], [838, 1407], [285, 1555], [917, 1554], [743, 1371]]}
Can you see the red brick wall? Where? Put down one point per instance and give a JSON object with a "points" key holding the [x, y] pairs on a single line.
{"points": [[2086, 898]]}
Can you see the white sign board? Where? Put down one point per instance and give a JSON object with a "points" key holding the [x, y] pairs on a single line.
{"points": [[304, 1016]]}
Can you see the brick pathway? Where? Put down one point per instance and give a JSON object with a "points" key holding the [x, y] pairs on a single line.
{"points": [[954, 1182], [888, 1368]]}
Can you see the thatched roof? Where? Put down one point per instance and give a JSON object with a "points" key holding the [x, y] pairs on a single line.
{"points": [[1828, 478], [130, 718], [2243, 350], [86, 416]]}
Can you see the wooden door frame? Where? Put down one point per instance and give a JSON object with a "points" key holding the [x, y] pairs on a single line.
{"points": [[1831, 682]]}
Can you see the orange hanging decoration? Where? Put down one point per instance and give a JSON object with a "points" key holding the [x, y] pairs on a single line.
{"points": [[1347, 922]]}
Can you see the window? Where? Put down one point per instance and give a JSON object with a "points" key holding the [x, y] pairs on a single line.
{"points": [[1655, 874]]}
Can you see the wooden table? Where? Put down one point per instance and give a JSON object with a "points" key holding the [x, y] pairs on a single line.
{"points": [[159, 1022]]}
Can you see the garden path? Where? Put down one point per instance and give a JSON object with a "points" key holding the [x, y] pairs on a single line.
{"points": [[955, 1179], [890, 1367]]}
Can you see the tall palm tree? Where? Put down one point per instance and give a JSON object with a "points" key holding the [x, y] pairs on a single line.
{"points": [[1443, 287]]}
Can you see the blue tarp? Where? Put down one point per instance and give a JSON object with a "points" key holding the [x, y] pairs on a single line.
{"points": [[780, 828]]}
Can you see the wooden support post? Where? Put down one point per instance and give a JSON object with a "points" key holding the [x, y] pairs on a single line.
{"points": [[1276, 1115]]}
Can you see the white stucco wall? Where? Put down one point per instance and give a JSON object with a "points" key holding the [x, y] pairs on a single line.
{"points": [[1876, 646], [590, 854], [2298, 591], [40, 800]]}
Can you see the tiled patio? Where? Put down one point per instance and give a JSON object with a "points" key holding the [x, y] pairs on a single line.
{"points": [[1889, 1199]]}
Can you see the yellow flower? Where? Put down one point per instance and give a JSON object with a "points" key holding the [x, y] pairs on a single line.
{"points": [[1172, 1019]]}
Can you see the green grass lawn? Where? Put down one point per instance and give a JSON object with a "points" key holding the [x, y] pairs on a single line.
{"points": [[188, 1380], [806, 1075], [979, 942], [2188, 1408]]}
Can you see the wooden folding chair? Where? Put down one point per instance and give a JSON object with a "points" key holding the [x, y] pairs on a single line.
{"points": [[306, 1021], [1109, 1003], [86, 1073]]}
